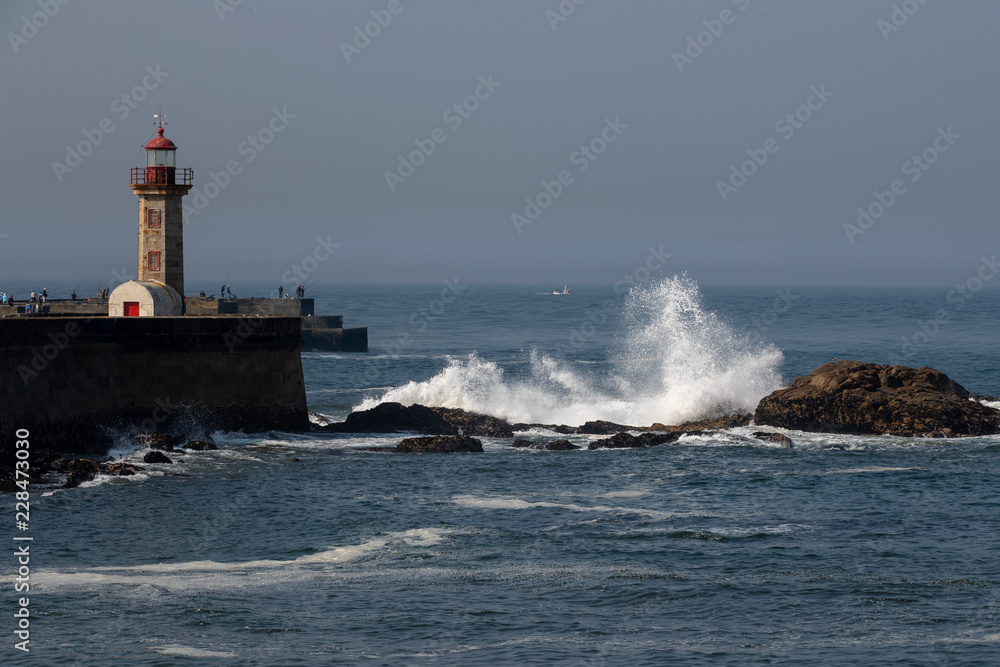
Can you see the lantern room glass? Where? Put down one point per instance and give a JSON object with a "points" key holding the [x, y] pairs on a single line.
{"points": [[158, 158]]}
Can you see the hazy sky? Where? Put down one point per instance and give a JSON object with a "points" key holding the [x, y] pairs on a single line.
{"points": [[884, 84]]}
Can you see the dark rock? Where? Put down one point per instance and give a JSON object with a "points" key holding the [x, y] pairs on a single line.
{"points": [[629, 441], [553, 446], [82, 466], [156, 457], [714, 424], [395, 417], [873, 399], [200, 446], [120, 469], [318, 419], [439, 444], [780, 438], [561, 446], [162, 441], [988, 399], [601, 427], [80, 471]]}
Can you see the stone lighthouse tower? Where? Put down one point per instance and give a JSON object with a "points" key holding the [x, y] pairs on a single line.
{"points": [[160, 186]]}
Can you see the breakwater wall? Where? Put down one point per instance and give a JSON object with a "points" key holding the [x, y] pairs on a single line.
{"points": [[74, 382]]}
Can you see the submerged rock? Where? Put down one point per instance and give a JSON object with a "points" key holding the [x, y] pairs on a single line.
{"points": [[713, 424], [439, 445], [80, 471], [779, 438], [629, 441], [395, 417], [156, 457], [85, 470], [873, 399], [200, 446], [162, 441], [601, 427], [560, 445]]}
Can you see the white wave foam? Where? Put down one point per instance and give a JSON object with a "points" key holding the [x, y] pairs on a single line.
{"points": [[519, 504], [105, 479], [191, 652], [194, 574], [869, 469], [991, 404], [749, 531], [636, 493], [677, 361]]}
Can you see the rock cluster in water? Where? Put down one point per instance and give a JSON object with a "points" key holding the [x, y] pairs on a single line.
{"points": [[441, 444], [394, 417], [871, 399]]}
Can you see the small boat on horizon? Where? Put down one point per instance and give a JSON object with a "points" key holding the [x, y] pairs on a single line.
{"points": [[565, 290]]}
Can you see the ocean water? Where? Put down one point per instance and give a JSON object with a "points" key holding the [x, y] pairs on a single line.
{"points": [[304, 549]]}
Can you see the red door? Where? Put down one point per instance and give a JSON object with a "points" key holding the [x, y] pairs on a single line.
{"points": [[131, 309]]}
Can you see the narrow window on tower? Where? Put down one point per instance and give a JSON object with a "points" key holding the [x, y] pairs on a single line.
{"points": [[153, 261], [152, 217]]}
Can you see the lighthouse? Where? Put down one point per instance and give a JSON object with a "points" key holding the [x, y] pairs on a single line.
{"points": [[160, 186]]}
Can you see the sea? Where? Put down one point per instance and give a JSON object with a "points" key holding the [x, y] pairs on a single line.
{"points": [[309, 549]]}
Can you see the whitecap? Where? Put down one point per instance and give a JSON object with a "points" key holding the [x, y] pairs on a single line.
{"points": [[677, 361], [191, 652]]}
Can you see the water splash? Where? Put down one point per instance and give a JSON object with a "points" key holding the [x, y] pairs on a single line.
{"points": [[677, 361]]}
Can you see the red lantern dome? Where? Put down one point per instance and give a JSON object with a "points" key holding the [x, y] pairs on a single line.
{"points": [[160, 143]]}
